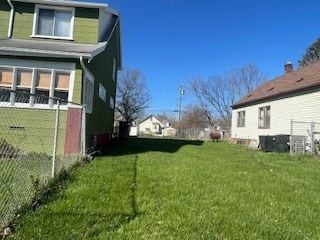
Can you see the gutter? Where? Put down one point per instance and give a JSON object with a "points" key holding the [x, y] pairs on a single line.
{"points": [[11, 19], [103, 47], [87, 72]]}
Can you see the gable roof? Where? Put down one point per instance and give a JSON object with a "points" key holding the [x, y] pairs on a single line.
{"points": [[302, 79]]}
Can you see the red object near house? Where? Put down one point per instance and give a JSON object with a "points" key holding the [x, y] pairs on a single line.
{"points": [[214, 136]]}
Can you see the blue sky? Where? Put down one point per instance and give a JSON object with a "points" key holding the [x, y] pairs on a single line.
{"points": [[173, 40]]}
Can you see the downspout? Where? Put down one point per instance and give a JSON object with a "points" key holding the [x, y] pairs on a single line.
{"points": [[11, 19], [87, 75]]}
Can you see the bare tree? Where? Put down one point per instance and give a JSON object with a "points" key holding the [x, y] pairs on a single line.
{"points": [[217, 94], [194, 117], [132, 94]]}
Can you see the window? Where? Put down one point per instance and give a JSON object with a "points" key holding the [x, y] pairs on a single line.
{"points": [[102, 92], [23, 84], [112, 102], [114, 69], [55, 23], [6, 77], [61, 86], [241, 119], [264, 117], [44, 83]]}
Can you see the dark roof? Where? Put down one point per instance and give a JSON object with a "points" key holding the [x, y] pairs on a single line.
{"points": [[47, 48], [301, 79]]}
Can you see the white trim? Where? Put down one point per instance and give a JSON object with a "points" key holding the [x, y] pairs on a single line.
{"points": [[37, 106], [10, 27], [87, 72], [36, 22]]}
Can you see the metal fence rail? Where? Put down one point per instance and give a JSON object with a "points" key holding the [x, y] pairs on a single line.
{"points": [[304, 138], [36, 143]]}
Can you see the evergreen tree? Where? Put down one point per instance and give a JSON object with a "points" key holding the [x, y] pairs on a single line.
{"points": [[312, 54]]}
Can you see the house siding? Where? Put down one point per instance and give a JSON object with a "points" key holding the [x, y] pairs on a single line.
{"points": [[298, 108], [86, 24], [36, 133], [150, 126], [77, 88], [100, 121], [4, 18]]}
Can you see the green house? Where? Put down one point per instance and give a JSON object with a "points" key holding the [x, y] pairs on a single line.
{"points": [[60, 49]]}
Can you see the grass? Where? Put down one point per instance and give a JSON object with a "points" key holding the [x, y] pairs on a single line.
{"points": [[174, 189], [22, 177]]}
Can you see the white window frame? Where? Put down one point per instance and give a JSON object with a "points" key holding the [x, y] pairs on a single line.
{"points": [[264, 122], [35, 66], [36, 22], [102, 92], [241, 118]]}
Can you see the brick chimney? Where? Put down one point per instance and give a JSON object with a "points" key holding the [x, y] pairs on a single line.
{"points": [[288, 67]]}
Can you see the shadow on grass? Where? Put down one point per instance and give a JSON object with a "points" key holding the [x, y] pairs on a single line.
{"points": [[141, 145], [84, 222]]}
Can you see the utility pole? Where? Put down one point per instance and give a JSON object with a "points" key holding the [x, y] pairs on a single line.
{"points": [[181, 93]]}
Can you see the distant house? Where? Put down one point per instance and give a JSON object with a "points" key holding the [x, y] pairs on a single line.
{"points": [[150, 126], [269, 109], [65, 49], [153, 126]]}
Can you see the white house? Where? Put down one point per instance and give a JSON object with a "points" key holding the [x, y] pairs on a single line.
{"points": [[269, 109], [150, 126]]}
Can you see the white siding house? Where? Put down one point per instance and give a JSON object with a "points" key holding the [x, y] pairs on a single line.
{"points": [[269, 109], [150, 126]]}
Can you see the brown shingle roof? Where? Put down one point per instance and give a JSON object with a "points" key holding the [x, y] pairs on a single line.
{"points": [[300, 79]]}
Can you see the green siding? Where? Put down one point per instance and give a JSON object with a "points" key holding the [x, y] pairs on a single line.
{"points": [[4, 18], [86, 24], [101, 119], [32, 130], [23, 20], [77, 88]]}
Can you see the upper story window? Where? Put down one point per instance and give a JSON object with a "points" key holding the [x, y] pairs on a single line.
{"points": [[264, 117], [53, 22], [241, 119]]}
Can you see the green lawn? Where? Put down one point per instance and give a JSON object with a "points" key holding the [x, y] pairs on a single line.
{"points": [[171, 189]]}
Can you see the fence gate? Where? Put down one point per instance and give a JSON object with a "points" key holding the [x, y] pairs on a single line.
{"points": [[304, 137]]}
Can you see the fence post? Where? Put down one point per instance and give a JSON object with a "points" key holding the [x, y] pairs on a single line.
{"points": [[312, 137], [291, 136], [83, 131], [55, 141]]}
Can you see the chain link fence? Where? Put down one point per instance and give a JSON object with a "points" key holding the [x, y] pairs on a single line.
{"points": [[304, 138], [39, 137]]}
